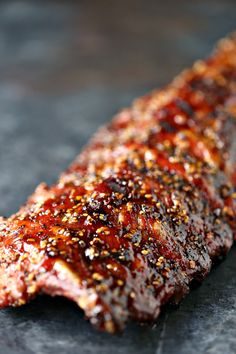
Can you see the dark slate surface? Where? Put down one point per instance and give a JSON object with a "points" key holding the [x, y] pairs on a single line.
{"points": [[65, 68]]}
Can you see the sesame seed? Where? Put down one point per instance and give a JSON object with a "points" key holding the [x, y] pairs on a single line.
{"points": [[145, 252], [120, 282], [97, 276]]}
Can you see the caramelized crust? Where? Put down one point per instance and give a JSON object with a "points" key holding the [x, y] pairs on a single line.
{"points": [[144, 210]]}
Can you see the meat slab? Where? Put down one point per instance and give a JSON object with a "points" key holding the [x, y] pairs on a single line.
{"points": [[146, 208]]}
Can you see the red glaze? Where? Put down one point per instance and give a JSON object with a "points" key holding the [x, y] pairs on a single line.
{"points": [[143, 211]]}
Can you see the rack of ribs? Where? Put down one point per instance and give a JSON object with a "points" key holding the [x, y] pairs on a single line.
{"points": [[143, 212]]}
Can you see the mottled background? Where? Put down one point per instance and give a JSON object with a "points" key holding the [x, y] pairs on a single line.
{"points": [[65, 68]]}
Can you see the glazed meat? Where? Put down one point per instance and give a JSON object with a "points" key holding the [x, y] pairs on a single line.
{"points": [[146, 208]]}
